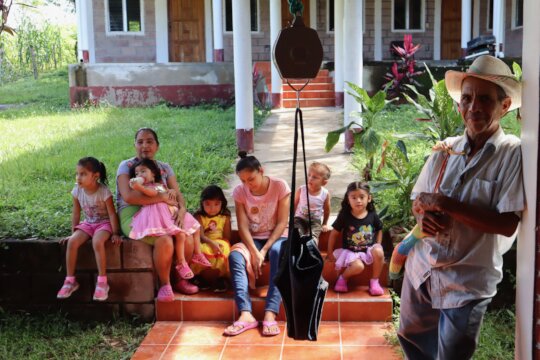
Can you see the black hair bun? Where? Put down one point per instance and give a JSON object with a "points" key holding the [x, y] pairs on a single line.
{"points": [[242, 154]]}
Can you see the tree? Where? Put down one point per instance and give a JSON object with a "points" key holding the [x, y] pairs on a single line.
{"points": [[5, 7]]}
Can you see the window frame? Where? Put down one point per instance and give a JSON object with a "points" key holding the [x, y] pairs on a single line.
{"points": [[108, 31], [489, 16], [514, 15], [407, 18], [225, 31], [328, 31]]}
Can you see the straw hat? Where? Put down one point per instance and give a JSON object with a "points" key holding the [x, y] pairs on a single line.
{"points": [[488, 68]]}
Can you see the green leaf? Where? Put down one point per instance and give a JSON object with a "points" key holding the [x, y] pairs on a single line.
{"points": [[401, 146], [332, 139], [517, 71], [369, 141]]}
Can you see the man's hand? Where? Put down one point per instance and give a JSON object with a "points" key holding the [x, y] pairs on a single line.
{"points": [[325, 228], [432, 223]]}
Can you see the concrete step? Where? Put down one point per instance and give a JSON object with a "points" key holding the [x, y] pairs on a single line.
{"points": [[356, 305]]}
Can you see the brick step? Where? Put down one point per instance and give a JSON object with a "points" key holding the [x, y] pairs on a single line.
{"points": [[311, 86], [356, 305], [287, 103], [310, 94], [320, 79]]}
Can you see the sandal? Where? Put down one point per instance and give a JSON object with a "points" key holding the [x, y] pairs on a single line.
{"points": [[184, 271], [201, 260], [102, 291], [341, 285], [268, 326], [165, 294], [245, 325], [67, 289]]}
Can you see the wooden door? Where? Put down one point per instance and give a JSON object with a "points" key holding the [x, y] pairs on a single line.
{"points": [[451, 29], [286, 16], [186, 31]]}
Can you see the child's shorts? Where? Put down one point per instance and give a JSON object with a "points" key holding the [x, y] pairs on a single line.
{"points": [[92, 228], [344, 256]]}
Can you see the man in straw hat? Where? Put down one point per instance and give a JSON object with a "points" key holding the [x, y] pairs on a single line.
{"points": [[452, 274]]}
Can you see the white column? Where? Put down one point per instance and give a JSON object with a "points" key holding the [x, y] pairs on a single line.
{"points": [[338, 51], [90, 35], [498, 27], [466, 16], [476, 19], [353, 67], [85, 31], [81, 29], [217, 7], [437, 31], [526, 272], [243, 91], [312, 14], [275, 27], [162, 32], [377, 18], [208, 32]]}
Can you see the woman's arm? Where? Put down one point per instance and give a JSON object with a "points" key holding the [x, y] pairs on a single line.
{"points": [[134, 197], [243, 227], [282, 219], [180, 202], [115, 224]]}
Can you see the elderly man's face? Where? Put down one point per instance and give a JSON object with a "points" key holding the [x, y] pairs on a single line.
{"points": [[480, 107]]}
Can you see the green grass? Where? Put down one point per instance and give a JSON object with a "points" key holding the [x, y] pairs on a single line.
{"points": [[42, 141], [52, 336]]}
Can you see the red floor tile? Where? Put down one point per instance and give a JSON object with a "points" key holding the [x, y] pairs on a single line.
{"points": [[328, 334], [190, 352], [330, 311], [306, 352], [364, 334], [161, 333], [371, 352], [200, 333], [249, 352], [148, 352]]}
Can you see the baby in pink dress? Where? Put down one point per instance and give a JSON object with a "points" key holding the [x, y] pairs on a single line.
{"points": [[158, 219]]}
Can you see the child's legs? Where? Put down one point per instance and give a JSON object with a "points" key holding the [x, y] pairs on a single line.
{"points": [[98, 242], [377, 254], [356, 267], [78, 238], [163, 253], [179, 247], [189, 247]]}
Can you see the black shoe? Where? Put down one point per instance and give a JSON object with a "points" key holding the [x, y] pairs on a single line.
{"points": [[201, 283], [221, 285]]}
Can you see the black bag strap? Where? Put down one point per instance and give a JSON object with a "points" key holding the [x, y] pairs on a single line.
{"points": [[298, 122]]}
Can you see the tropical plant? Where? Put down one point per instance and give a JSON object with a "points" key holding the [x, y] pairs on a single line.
{"points": [[367, 139], [439, 110], [402, 72]]}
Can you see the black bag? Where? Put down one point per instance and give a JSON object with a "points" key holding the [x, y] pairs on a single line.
{"points": [[299, 277]]}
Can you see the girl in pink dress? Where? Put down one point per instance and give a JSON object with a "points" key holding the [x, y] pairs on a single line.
{"points": [[158, 219]]}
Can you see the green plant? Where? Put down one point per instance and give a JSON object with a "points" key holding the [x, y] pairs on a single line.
{"points": [[368, 140], [402, 72], [439, 109]]}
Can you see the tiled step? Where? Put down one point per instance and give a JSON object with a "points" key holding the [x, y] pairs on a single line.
{"points": [[356, 305], [309, 103], [312, 86], [310, 94]]}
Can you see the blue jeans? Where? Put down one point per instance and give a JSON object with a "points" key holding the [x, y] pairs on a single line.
{"points": [[239, 277], [443, 334]]}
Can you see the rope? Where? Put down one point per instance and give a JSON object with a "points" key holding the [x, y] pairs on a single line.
{"points": [[296, 7]]}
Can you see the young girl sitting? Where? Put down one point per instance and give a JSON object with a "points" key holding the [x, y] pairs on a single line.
{"points": [[215, 219], [157, 219], [361, 233], [101, 223]]}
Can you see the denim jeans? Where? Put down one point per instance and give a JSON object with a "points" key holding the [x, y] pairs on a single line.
{"points": [[442, 334], [239, 277]]}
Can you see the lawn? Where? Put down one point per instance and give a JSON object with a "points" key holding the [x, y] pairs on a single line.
{"points": [[43, 139]]}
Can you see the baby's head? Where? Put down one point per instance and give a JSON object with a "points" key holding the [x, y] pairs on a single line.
{"points": [[146, 169], [318, 175]]}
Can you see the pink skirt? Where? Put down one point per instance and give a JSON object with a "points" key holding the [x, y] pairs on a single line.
{"points": [[153, 220], [344, 256], [190, 224]]}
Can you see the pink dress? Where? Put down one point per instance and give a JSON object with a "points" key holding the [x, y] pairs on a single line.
{"points": [[156, 220]]}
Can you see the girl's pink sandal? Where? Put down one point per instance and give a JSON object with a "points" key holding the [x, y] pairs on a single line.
{"points": [[184, 271], [201, 260]]}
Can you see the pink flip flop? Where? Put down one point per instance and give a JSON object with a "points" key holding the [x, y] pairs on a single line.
{"points": [[184, 271], [268, 325], [201, 260], [246, 325]]}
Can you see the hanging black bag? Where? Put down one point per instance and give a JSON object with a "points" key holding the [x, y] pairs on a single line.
{"points": [[299, 277]]}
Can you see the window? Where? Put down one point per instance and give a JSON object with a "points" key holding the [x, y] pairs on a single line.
{"points": [[331, 17], [517, 13], [124, 15], [408, 15], [254, 15], [490, 15]]}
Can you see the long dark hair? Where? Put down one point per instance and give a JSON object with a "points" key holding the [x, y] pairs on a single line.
{"points": [[94, 165], [357, 185], [147, 129], [247, 162], [213, 192], [150, 164]]}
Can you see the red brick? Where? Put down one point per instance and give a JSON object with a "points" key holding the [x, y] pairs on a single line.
{"points": [[136, 255], [86, 259], [134, 287]]}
